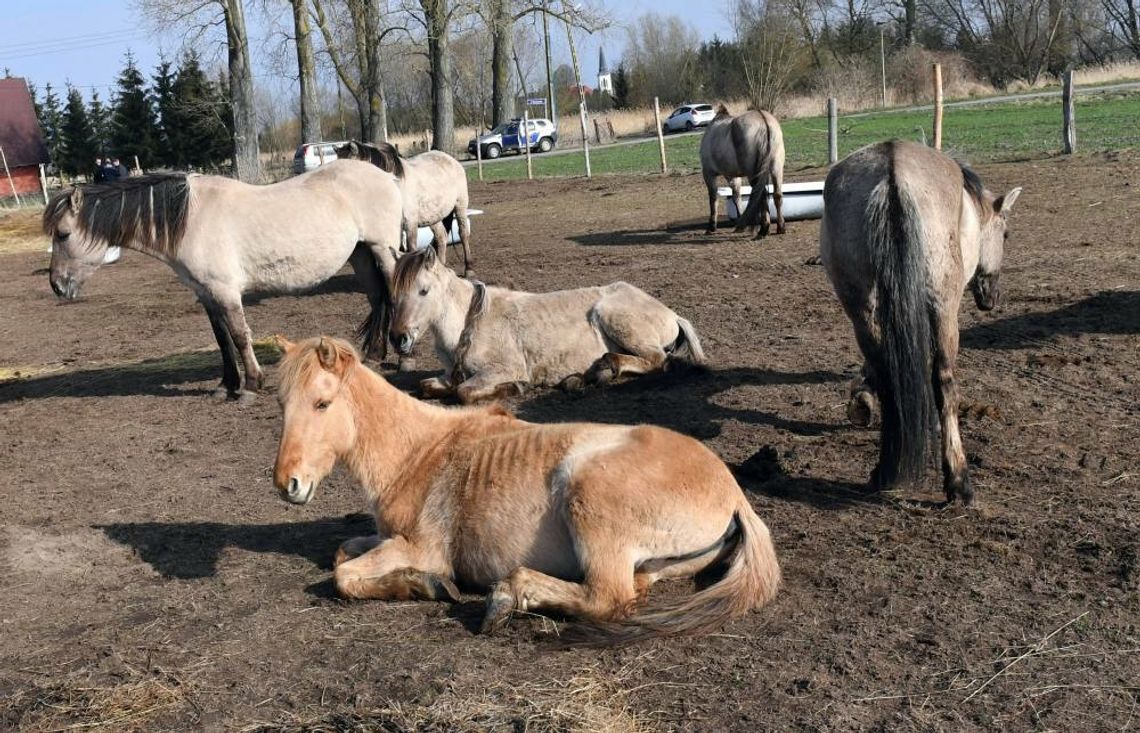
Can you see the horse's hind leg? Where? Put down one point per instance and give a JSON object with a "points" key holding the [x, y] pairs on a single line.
{"points": [[735, 184], [608, 593], [440, 236], [955, 475], [778, 198], [759, 183], [710, 183], [862, 399], [612, 365], [231, 377]]}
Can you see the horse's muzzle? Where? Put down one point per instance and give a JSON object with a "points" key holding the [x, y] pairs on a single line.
{"points": [[403, 342], [987, 291], [297, 491], [66, 288]]}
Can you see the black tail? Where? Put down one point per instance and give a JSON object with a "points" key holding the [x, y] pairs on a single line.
{"points": [[373, 332], [904, 315]]}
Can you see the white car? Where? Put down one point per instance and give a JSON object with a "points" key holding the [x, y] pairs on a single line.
{"points": [[310, 156], [688, 117]]}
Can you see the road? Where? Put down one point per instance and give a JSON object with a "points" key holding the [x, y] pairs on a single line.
{"points": [[1005, 98]]}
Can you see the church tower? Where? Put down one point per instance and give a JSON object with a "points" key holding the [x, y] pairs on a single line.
{"points": [[605, 79]]}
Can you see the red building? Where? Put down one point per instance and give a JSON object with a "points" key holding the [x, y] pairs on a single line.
{"points": [[20, 138]]}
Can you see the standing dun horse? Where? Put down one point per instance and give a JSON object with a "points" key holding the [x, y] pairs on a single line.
{"points": [[493, 341], [750, 145], [434, 186], [571, 518], [905, 229], [225, 238]]}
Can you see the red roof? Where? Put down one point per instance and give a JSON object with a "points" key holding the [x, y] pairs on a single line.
{"points": [[19, 129]]}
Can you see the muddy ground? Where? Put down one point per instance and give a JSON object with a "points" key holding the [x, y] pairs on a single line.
{"points": [[152, 579]]}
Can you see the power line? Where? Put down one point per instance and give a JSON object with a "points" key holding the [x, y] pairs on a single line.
{"points": [[73, 47], [67, 39]]}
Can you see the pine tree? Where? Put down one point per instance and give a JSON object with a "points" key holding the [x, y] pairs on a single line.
{"points": [[621, 87], [163, 89], [51, 118], [100, 124], [133, 129], [195, 120], [78, 150]]}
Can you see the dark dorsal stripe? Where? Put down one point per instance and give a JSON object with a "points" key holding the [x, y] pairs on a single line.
{"points": [[145, 211], [382, 155]]}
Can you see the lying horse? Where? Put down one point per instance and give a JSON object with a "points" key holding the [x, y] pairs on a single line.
{"points": [[905, 228], [572, 518], [494, 341], [224, 238], [434, 185], [749, 146]]}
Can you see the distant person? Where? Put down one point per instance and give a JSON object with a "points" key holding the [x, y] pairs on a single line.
{"points": [[110, 172], [98, 175], [123, 172]]}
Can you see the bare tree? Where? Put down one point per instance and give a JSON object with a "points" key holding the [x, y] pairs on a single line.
{"points": [[661, 53], [201, 16], [306, 73], [437, 20], [1004, 38], [356, 58], [767, 35], [1125, 27]]}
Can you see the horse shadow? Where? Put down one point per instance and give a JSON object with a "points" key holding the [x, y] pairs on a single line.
{"points": [[160, 377], [680, 399], [191, 550], [341, 283], [1109, 312], [679, 233]]}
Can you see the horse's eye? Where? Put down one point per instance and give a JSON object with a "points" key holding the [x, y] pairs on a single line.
{"points": [[1005, 235], [424, 291], [322, 405], [63, 235]]}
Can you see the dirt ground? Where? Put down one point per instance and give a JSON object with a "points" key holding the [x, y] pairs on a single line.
{"points": [[152, 579]]}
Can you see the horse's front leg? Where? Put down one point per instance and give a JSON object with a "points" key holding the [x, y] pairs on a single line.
{"points": [[735, 183], [955, 474], [395, 570], [435, 388], [231, 377], [440, 237], [710, 183], [480, 388], [234, 317], [373, 332], [465, 240]]}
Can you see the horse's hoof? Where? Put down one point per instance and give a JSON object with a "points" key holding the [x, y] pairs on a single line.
{"points": [[959, 488], [443, 589], [223, 393], [573, 383], [500, 605], [710, 230], [246, 398], [860, 410], [875, 482], [406, 364]]}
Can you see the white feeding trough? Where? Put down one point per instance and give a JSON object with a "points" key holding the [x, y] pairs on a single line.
{"points": [[424, 237], [111, 255], [801, 200]]}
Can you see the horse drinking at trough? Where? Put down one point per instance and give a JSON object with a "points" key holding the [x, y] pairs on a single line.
{"points": [[225, 238], [571, 518], [434, 186], [493, 341], [750, 145], [905, 229]]}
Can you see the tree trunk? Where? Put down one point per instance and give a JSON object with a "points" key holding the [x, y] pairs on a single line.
{"points": [[307, 73], [502, 45], [247, 164], [439, 54], [910, 27], [373, 83]]}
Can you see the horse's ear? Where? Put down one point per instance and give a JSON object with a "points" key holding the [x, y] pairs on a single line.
{"points": [[284, 344], [430, 258], [1002, 204], [327, 354], [75, 199]]}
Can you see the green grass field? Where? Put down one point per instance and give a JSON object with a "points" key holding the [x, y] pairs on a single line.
{"points": [[986, 132]]}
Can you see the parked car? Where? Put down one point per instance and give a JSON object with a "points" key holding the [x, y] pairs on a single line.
{"points": [[504, 138], [310, 156], [688, 117]]}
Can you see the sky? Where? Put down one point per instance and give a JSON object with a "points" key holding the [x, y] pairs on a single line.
{"points": [[84, 42]]}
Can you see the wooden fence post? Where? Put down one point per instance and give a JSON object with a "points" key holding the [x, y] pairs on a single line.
{"points": [[938, 106], [1069, 131], [524, 137], [832, 131], [43, 183], [585, 137], [660, 133], [9, 174], [479, 150]]}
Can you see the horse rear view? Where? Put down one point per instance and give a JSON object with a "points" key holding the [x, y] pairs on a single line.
{"points": [[905, 228], [749, 146]]}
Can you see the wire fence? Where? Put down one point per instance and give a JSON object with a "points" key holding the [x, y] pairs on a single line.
{"points": [[1010, 130]]}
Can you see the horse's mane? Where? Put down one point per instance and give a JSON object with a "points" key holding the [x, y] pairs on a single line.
{"points": [[302, 362], [384, 156], [147, 210], [408, 267], [972, 182], [721, 112]]}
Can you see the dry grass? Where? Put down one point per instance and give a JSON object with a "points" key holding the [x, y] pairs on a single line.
{"points": [[71, 706], [20, 230], [591, 701]]}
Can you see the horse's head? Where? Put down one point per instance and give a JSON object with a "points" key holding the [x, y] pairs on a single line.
{"points": [[350, 150], [319, 425], [74, 253], [417, 287], [986, 283]]}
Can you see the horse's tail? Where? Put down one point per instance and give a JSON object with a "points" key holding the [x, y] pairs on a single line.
{"points": [[903, 313], [687, 343], [751, 581], [373, 332]]}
